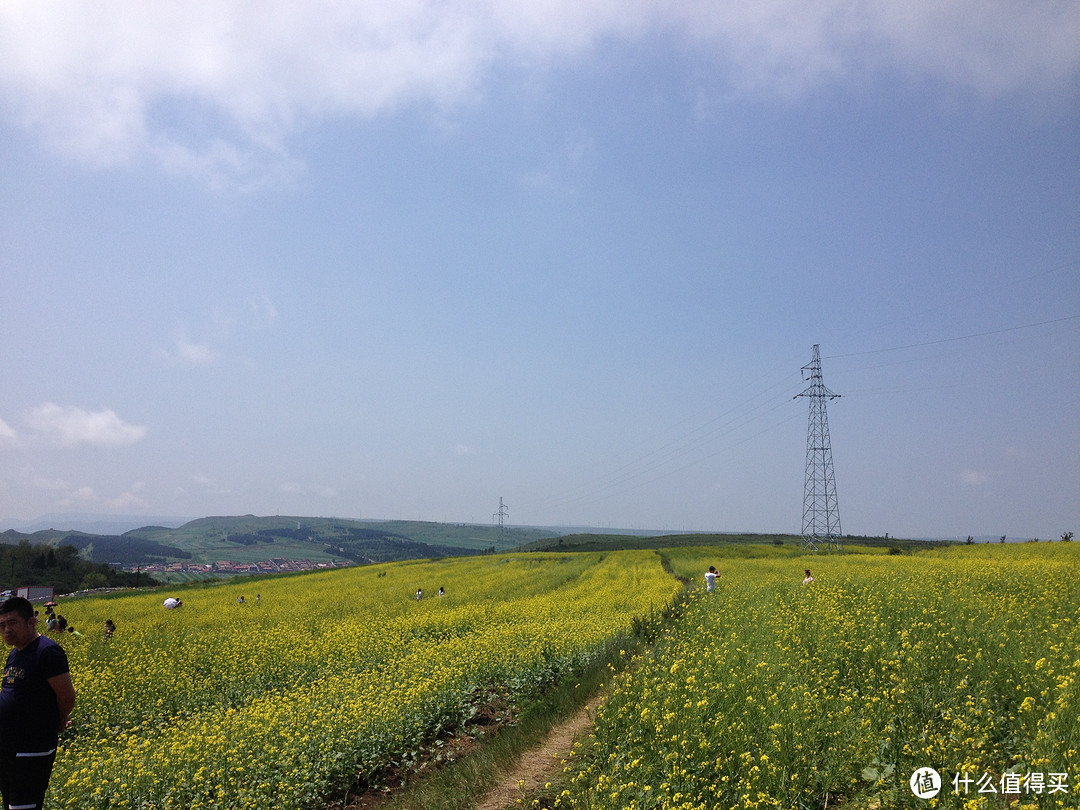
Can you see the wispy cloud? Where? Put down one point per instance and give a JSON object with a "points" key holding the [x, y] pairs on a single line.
{"points": [[260, 312], [217, 89], [86, 497], [293, 488], [70, 426], [126, 500], [253, 315], [82, 496], [7, 433], [203, 484], [194, 354], [973, 478]]}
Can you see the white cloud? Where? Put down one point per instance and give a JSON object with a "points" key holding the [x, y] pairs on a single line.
{"points": [[127, 500], [215, 88], [973, 477], [70, 426], [256, 314], [82, 495], [292, 488], [261, 312], [50, 484], [204, 484], [7, 433], [195, 354]]}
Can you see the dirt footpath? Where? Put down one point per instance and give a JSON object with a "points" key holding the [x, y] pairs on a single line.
{"points": [[539, 765]]}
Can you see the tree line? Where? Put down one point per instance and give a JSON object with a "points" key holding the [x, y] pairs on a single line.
{"points": [[60, 567]]}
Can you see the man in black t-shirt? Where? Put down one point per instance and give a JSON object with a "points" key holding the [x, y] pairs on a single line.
{"points": [[36, 699]]}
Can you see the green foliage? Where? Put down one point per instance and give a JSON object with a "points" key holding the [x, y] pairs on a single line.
{"points": [[738, 543], [615, 542], [61, 567], [94, 579]]}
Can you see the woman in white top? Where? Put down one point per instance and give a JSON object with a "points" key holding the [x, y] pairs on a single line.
{"points": [[710, 578]]}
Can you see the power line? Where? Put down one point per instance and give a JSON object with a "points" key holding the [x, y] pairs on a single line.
{"points": [[955, 339], [953, 303], [636, 481], [629, 476], [693, 446]]}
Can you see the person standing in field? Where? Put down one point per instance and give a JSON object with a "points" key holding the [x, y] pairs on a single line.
{"points": [[710, 579], [36, 699], [808, 578]]}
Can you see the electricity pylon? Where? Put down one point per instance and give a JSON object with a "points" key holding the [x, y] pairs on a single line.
{"points": [[821, 516], [501, 515]]}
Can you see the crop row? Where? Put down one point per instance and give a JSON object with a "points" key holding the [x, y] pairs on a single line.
{"points": [[771, 694], [314, 682]]}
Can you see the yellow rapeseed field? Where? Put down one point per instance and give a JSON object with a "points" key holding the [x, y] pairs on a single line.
{"points": [[312, 681], [844, 693]]}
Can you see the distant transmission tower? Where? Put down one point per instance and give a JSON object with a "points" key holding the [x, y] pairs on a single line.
{"points": [[821, 516], [501, 515]]}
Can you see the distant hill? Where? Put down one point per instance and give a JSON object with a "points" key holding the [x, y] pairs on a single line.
{"points": [[211, 537], [249, 538], [123, 550], [89, 523]]}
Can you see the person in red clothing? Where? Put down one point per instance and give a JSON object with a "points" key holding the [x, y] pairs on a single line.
{"points": [[36, 699]]}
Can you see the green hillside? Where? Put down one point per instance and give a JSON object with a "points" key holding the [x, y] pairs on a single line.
{"points": [[210, 537], [249, 539]]}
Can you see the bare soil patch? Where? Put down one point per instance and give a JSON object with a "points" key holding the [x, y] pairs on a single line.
{"points": [[539, 765], [528, 774]]}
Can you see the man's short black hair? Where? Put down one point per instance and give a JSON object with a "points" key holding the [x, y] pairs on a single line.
{"points": [[17, 604]]}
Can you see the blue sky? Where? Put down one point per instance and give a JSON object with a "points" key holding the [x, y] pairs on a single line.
{"points": [[403, 259]]}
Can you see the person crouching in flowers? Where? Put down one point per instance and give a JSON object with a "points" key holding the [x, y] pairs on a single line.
{"points": [[807, 579], [710, 579]]}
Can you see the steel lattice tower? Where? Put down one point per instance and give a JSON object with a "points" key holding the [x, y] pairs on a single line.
{"points": [[501, 515], [821, 516]]}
